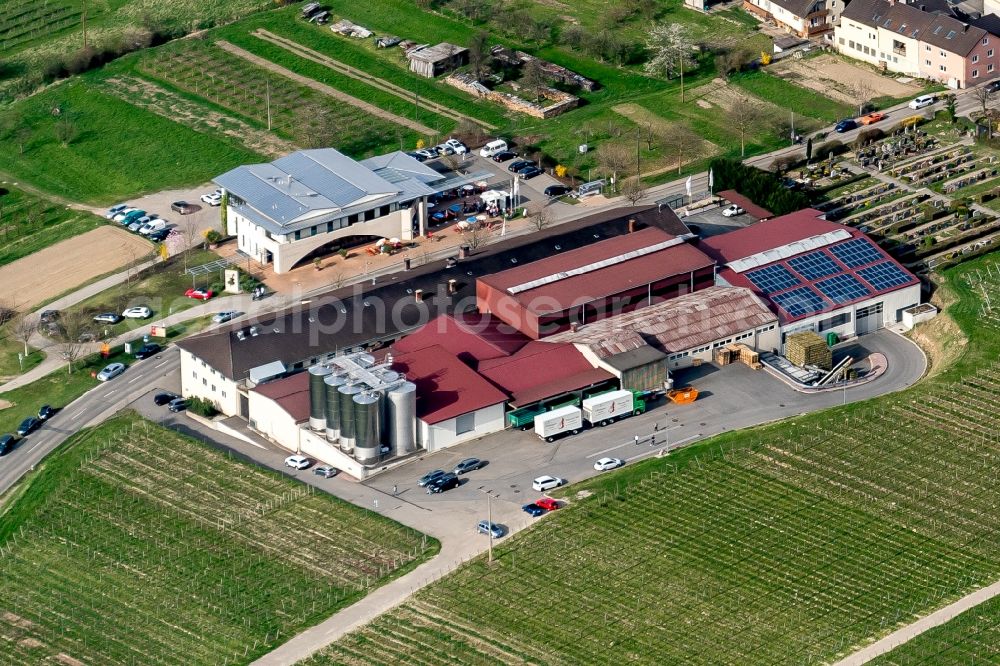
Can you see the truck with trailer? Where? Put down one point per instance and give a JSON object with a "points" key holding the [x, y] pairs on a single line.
{"points": [[568, 419], [600, 409]]}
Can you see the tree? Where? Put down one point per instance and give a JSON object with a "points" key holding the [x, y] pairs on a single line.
{"points": [[74, 324], [189, 236], [671, 52], [22, 328], [475, 236], [539, 216], [633, 190], [533, 77], [613, 159], [949, 107], [65, 130], [479, 54], [864, 92], [744, 114], [731, 59], [683, 143], [809, 149]]}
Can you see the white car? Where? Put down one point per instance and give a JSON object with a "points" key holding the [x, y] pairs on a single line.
{"points": [[456, 145], [297, 462], [114, 210], [732, 211], [138, 312], [922, 101], [604, 464], [213, 199], [547, 482], [151, 226], [120, 215], [110, 371], [426, 154]]}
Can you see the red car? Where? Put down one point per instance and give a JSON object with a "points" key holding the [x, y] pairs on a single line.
{"points": [[201, 294], [548, 504]]}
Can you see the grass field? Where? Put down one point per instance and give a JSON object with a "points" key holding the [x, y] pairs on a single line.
{"points": [[801, 101], [134, 544], [29, 223], [786, 544], [971, 638], [9, 349]]}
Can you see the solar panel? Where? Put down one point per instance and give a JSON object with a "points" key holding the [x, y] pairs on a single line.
{"points": [[842, 288], [798, 302], [857, 252], [814, 265], [885, 275], [772, 279]]}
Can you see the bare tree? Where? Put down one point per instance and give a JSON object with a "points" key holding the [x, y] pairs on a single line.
{"points": [[633, 190], [22, 328], [744, 114], [864, 92], [479, 54], [189, 234], [65, 130], [8, 309], [74, 326], [475, 236], [984, 95], [683, 143], [533, 77], [539, 216], [614, 158]]}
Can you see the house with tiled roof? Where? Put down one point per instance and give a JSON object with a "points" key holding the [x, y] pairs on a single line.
{"points": [[805, 18]]}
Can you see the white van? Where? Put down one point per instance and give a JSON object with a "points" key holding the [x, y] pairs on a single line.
{"points": [[492, 148], [922, 101]]}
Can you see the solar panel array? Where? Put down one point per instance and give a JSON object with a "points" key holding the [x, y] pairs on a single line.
{"points": [[842, 288], [772, 278], [857, 252], [800, 301], [814, 265], [884, 276]]}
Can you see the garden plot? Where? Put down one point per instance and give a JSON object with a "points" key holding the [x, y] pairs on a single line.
{"points": [[153, 548], [838, 78]]}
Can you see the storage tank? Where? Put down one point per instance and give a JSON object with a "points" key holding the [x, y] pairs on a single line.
{"points": [[388, 376], [346, 395], [401, 418], [365, 360], [367, 419], [317, 396], [332, 410]]}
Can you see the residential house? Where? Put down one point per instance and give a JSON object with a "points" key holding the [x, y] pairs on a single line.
{"points": [[805, 18]]}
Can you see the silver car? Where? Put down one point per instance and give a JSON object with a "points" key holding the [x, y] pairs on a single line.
{"points": [[110, 371]]}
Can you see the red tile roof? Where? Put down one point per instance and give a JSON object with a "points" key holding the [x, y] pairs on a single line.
{"points": [[600, 282], [446, 387], [540, 370], [470, 337], [291, 393], [732, 196], [767, 235]]}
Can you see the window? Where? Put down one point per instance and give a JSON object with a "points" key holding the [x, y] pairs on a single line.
{"points": [[835, 321], [851, 44], [204, 382], [842, 42], [928, 47], [213, 388], [465, 423], [975, 73], [383, 211], [989, 54], [942, 68], [989, 68], [927, 62], [223, 394], [298, 235], [975, 58], [194, 374], [369, 215], [941, 53], [986, 40]]}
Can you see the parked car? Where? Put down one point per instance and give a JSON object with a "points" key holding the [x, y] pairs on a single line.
{"points": [[922, 101], [6, 444], [428, 154], [223, 317], [27, 426], [845, 125], [993, 85], [430, 476], [159, 236], [514, 167], [177, 405], [604, 464], [108, 318], [469, 465], [443, 149], [110, 371], [48, 316], [486, 527], [529, 173], [135, 226], [732, 211], [147, 350], [871, 118], [533, 510], [182, 207], [443, 483], [494, 148], [548, 504], [86, 336], [200, 294], [557, 190], [138, 312], [213, 198], [132, 217], [326, 471], [297, 462], [457, 146], [543, 483], [504, 156], [161, 399], [45, 412], [114, 210], [151, 226], [418, 156], [120, 215]]}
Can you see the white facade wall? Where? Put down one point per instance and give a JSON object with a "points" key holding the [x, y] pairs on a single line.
{"points": [[269, 419], [764, 338], [875, 46], [198, 379], [893, 303], [443, 434]]}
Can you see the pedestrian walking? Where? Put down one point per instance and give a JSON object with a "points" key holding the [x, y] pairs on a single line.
{"points": [[637, 440], [394, 490]]}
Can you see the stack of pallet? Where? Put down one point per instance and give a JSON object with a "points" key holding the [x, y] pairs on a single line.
{"points": [[807, 348], [749, 357], [725, 355]]}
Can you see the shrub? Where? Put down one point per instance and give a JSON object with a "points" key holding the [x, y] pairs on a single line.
{"points": [[762, 187], [203, 407]]}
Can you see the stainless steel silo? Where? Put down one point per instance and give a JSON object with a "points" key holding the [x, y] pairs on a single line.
{"points": [[345, 396], [401, 418], [317, 396], [367, 420], [332, 410]]}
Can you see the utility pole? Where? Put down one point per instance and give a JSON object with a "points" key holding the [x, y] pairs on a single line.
{"points": [[792, 113], [680, 47], [489, 518], [267, 99]]}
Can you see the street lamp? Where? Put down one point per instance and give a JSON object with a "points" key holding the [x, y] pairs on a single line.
{"points": [[489, 517]]}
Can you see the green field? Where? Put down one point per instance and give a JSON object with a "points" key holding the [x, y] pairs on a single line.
{"points": [[29, 223], [792, 543], [971, 638], [136, 545]]}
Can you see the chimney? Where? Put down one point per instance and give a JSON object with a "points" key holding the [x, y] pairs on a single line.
{"points": [[463, 251], [631, 225], [418, 295], [452, 286]]}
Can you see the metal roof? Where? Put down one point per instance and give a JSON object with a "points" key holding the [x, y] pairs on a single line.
{"points": [[789, 250]]}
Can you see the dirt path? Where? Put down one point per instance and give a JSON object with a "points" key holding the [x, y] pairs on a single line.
{"points": [[375, 82], [911, 631], [324, 89]]}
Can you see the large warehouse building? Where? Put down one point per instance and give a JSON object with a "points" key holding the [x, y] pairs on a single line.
{"points": [[816, 275]]}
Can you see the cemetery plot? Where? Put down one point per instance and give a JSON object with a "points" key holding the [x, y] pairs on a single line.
{"points": [[899, 148], [928, 171], [849, 203]]}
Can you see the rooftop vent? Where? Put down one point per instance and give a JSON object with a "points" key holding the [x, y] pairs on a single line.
{"points": [[240, 335], [254, 331]]}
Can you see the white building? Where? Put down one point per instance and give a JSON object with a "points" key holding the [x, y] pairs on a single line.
{"points": [[804, 18], [816, 275]]}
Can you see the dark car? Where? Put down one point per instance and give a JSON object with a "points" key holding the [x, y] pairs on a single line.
{"points": [[514, 167], [429, 477], [993, 86], [27, 425], [533, 510], [45, 412], [182, 207], [443, 483], [178, 405], [161, 399], [504, 155], [417, 156], [557, 190], [845, 125], [529, 173], [147, 350], [108, 318], [48, 316], [468, 465], [159, 236], [6, 444]]}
